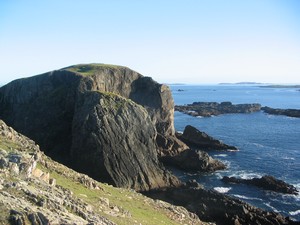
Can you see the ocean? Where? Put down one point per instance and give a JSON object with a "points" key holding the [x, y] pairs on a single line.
{"points": [[268, 144]]}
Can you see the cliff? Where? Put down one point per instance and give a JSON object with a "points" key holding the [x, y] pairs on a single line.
{"points": [[37, 190], [76, 115]]}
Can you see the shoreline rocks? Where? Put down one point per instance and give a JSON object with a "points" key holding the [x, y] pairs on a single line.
{"points": [[211, 206], [195, 138], [284, 112], [266, 182], [207, 109]]}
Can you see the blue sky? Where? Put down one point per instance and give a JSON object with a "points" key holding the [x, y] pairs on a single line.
{"points": [[192, 41]]}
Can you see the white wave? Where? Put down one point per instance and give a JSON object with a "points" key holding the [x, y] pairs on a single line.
{"points": [[271, 207], [221, 155], [288, 158], [294, 213], [232, 150], [258, 145], [249, 175], [199, 116], [247, 198], [222, 189]]}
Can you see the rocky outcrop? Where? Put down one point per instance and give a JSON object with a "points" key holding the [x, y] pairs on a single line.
{"points": [[207, 109], [284, 112], [197, 139], [110, 145], [212, 206], [174, 152], [194, 161], [266, 182], [47, 108], [26, 198]]}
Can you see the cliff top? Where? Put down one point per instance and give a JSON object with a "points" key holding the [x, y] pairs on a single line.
{"points": [[91, 69]]}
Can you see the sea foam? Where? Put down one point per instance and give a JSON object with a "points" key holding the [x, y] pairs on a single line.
{"points": [[222, 189]]}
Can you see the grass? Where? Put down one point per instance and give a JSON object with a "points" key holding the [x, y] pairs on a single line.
{"points": [[90, 69], [142, 210], [8, 145]]}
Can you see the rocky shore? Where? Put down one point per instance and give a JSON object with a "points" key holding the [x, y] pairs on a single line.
{"points": [[114, 125], [284, 112], [266, 182], [206, 109], [198, 139], [222, 209]]}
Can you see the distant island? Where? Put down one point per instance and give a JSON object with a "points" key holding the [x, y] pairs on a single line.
{"points": [[281, 86], [241, 83]]}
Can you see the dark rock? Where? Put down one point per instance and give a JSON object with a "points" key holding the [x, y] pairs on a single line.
{"points": [[104, 148], [195, 138], [38, 219], [284, 112], [174, 152], [44, 108], [211, 206], [17, 218], [194, 160], [265, 182], [206, 109]]}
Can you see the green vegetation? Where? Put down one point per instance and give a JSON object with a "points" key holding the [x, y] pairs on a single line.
{"points": [[141, 208], [90, 69], [8, 145]]}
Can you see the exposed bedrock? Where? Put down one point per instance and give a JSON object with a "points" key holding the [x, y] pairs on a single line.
{"points": [[109, 144], [266, 182], [284, 112], [174, 152], [219, 208], [198, 139], [206, 109], [48, 108]]}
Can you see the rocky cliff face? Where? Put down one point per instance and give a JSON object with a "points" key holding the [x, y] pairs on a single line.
{"points": [[37, 190], [110, 145], [50, 109]]}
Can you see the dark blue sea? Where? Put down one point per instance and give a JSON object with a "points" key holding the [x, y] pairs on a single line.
{"points": [[268, 144]]}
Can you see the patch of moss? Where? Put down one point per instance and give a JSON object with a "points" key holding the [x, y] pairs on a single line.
{"points": [[8, 145], [90, 69]]}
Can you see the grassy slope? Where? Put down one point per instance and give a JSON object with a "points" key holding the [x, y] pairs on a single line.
{"points": [[90, 69]]}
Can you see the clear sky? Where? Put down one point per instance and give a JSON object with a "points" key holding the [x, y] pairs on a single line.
{"points": [[189, 41]]}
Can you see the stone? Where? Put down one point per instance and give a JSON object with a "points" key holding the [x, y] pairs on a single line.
{"points": [[197, 139], [194, 160], [43, 107], [206, 109], [104, 149], [284, 112], [266, 182]]}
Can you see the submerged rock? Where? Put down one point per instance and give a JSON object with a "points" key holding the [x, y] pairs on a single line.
{"points": [[266, 182]]}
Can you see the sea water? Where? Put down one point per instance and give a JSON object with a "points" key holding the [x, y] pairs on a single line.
{"points": [[268, 144]]}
